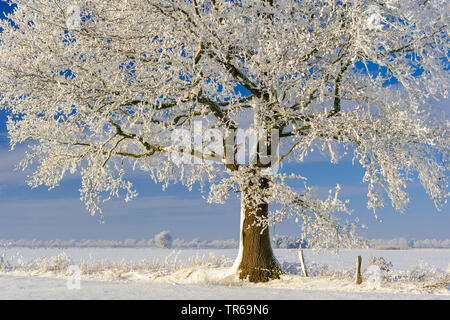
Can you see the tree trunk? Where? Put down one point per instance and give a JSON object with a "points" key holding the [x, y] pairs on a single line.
{"points": [[255, 260]]}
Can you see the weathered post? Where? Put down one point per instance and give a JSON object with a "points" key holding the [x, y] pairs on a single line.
{"points": [[302, 262], [358, 270]]}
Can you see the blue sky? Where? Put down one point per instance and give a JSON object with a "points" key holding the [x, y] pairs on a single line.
{"points": [[58, 214]]}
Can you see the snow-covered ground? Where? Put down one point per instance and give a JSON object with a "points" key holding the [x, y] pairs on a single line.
{"points": [[127, 273], [26, 287]]}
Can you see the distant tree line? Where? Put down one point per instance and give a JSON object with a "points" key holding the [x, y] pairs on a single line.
{"points": [[165, 240]]}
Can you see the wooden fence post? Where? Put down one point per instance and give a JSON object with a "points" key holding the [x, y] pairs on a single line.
{"points": [[302, 262], [358, 271]]}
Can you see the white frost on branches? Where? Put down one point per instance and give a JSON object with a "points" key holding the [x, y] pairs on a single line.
{"points": [[106, 95]]}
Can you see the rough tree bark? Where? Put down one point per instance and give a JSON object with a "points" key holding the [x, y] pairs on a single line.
{"points": [[257, 261]]}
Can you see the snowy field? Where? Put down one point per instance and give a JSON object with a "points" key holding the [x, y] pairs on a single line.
{"points": [[148, 273]]}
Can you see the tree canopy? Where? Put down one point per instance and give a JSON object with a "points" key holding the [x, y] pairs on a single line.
{"points": [[106, 89]]}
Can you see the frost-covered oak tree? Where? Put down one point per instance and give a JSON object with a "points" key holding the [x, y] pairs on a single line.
{"points": [[100, 87]]}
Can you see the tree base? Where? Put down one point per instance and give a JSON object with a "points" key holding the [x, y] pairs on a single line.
{"points": [[260, 274]]}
